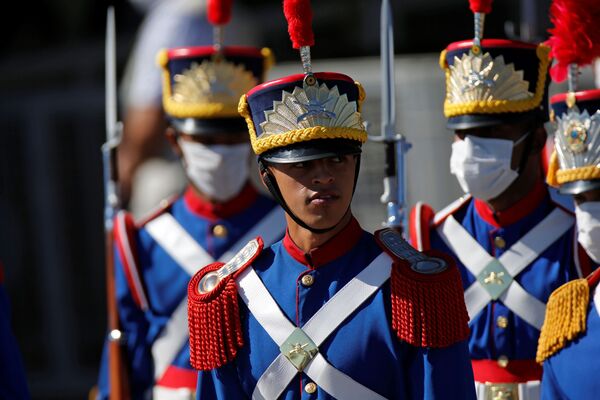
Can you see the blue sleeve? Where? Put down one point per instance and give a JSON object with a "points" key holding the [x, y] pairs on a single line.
{"points": [[13, 384], [138, 353], [550, 389], [446, 373], [220, 384]]}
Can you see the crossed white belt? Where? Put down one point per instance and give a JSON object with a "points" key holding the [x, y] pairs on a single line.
{"points": [[322, 324], [496, 275]]}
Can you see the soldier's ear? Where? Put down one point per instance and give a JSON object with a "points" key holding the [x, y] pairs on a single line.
{"points": [[263, 170], [171, 135]]}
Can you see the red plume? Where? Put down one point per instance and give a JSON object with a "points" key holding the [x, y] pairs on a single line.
{"points": [[299, 18], [219, 11], [481, 6], [576, 34]]}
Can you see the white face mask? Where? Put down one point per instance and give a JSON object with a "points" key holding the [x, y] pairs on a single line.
{"points": [[588, 228], [482, 165], [219, 171]]}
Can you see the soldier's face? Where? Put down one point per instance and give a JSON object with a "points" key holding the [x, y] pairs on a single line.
{"points": [[318, 192], [513, 132]]}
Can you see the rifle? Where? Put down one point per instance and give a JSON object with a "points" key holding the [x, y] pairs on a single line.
{"points": [[117, 372], [394, 191]]}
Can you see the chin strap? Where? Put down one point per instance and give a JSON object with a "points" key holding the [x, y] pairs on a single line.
{"points": [[271, 184]]}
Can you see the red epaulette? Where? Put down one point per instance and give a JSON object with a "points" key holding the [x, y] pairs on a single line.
{"points": [[450, 209], [163, 206], [213, 311], [428, 307], [124, 236], [419, 225]]}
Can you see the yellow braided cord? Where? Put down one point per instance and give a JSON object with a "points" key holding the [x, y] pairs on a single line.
{"points": [[578, 174], [443, 64], [565, 319], [553, 167], [502, 106], [166, 79], [302, 135], [297, 135], [244, 111], [362, 95], [196, 110], [162, 58]]}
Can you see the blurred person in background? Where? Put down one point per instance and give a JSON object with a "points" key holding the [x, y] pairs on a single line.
{"points": [[217, 214], [13, 383], [513, 242], [569, 344], [148, 171]]}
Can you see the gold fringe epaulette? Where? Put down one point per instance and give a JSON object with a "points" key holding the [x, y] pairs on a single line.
{"points": [[566, 314]]}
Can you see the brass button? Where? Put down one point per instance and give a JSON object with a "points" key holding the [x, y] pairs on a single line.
{"points": [[499, 242], [308, 280], [503, 361], [310, 387], [502, 322], [219, 231]]}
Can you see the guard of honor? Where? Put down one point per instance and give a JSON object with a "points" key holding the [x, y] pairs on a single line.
{"points": [[514, 244], [212, 220], [331, 311]]}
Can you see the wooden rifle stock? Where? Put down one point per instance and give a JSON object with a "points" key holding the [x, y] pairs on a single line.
{"points": [[117, 373]]}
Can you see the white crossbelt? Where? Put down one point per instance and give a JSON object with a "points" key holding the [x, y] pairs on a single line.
{"points": [[475, 258], [178, 243], [322, 324]]}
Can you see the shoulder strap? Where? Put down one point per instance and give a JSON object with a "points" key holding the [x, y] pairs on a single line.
{"points": [[420, 220], [163, 206], [213, 312], [124, 233], [428, 309], [450, 209]]}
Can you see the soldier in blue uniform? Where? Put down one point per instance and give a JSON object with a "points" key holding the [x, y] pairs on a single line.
{"points": [[569, 343], [514, 244], [13, 384], [331, 311], [216, 215], [570, 338]]}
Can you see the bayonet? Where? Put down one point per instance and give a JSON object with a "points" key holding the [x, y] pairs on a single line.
{"points": [[394, 193]]}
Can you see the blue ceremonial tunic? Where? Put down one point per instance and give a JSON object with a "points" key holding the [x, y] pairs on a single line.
{"points": [[364, 346], [147, 303], [13, 384], [554, 267], [572, 372]]}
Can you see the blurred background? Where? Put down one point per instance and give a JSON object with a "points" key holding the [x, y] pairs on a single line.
{"points": [[52, 127]]}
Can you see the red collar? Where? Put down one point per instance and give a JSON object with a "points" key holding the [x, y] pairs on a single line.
{"points": [[335, 247], [514, 213], [214, 211]]}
